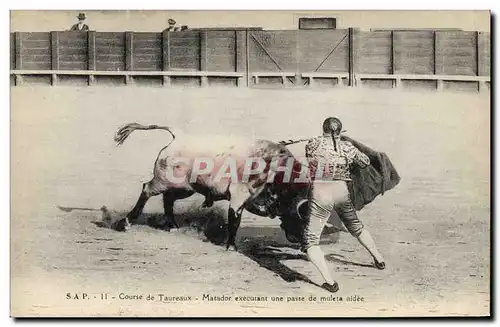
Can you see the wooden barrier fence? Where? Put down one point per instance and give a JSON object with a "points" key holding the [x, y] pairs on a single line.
{"points": [[257, 58]]}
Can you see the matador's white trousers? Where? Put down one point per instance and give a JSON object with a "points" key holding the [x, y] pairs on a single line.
{"points": [[324, 197]]}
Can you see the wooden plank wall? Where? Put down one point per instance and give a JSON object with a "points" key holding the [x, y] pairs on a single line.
{"points": [[220, 51], [148, 53], [375, 52], [185, 50], [273, 51], [413, 52], [300, 51], [12, 51], [456, 53], [484, 54], [35, 50], [73, 51], [323, 51], [110, 51]]}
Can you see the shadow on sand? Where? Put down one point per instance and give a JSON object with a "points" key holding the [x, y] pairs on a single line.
{"points": [[266, 245], [338, 259]]}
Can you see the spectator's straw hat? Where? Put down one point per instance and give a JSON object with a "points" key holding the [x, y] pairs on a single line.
{"points": [[171, 21]]}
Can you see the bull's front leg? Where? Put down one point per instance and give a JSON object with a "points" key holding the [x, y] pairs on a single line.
{"points": [[236, 192], [234, 220]]}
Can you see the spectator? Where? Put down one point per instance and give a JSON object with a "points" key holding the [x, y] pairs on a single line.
{"points": [[171, 25], [80, 26], [184, 27]]}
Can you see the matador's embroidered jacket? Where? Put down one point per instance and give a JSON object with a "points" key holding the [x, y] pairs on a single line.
{"points": [[334, 162]]}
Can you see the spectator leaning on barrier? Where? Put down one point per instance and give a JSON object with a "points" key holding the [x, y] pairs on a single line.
{"points": [[171, 25], [80, 26]]}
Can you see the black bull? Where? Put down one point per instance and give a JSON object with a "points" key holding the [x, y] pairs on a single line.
{"points": [[277, 198]]}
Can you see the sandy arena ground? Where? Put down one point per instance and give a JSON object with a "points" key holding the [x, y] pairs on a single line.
{"points": [[433, 228]]}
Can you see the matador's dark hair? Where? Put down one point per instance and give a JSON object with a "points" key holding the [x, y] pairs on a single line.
{"points": [[328, 128]]}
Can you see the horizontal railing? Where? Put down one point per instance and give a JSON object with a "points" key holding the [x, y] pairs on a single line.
{"points": [[290, 78]]}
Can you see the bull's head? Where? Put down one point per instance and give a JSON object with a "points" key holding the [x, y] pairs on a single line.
{"points": [[294, 219], [293, 204], [289, 191]]}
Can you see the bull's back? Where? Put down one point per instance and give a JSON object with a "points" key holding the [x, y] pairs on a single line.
{"points": [[198, 151]]}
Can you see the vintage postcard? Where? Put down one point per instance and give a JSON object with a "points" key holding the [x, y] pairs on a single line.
{"points": [[250, 163]]}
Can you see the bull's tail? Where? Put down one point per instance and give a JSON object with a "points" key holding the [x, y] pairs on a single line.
{"points": [[123, 132]]}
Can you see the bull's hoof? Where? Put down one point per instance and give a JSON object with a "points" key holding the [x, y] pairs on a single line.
{"points": [[122, 225], [167, 224], [231, 248], [167, 228], [332, 288]]}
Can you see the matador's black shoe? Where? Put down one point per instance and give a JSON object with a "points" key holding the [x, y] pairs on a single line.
{"points": [[379, 265], [332, 288]]}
